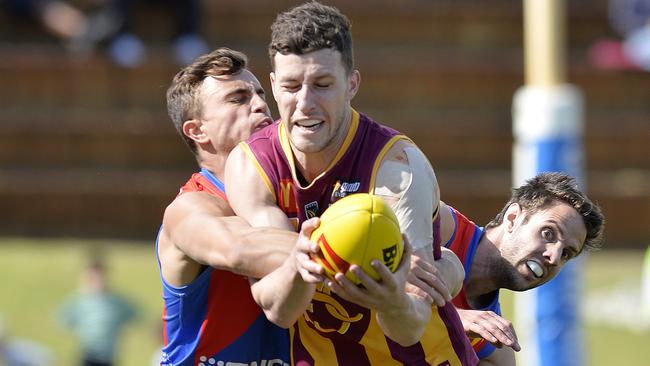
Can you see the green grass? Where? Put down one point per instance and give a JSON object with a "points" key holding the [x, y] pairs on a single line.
{"points": [[36, 275], [606, 345]]}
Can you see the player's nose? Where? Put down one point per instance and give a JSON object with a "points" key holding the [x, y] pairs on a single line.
{"points": [[259, 105], [305, 100], [553, 253]]}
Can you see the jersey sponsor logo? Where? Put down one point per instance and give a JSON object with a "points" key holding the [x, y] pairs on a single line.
{"points": [[336, 313], [294, 222], [287, 197], [210, 361], [311, 209], [342, 189]]}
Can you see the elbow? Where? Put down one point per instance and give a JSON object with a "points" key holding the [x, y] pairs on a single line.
{"points": [[405, 336], [406, 328], [407, 340], [281, 320]]}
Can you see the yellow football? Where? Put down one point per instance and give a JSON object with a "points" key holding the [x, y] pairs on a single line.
{"points": [[356, 230]]}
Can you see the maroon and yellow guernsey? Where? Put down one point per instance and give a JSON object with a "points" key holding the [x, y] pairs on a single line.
{"points": [[334, 331]]}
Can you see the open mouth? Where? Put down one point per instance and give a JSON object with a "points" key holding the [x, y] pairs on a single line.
{"points": [[265, 122], [535, 267], [309, 124]]}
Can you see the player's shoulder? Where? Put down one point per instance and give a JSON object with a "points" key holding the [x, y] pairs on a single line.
{"points": [[447, 223], [400, 151], [188, 206], [197, 202]]}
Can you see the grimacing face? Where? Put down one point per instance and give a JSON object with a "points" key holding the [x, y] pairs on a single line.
{"points": [[234, 106], [537, 246], [313, 92]]}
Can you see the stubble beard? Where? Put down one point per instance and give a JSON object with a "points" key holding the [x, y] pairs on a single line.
{"points": [[505, 269]]}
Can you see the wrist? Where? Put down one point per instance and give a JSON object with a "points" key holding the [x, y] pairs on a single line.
{"points": [[402, 305]]}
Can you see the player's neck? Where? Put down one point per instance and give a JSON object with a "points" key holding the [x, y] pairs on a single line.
{"points": [[215, 165], [311, 165], [213, 159], [480, 280]]}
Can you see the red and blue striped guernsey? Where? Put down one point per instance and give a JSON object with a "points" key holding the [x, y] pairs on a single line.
{"points": [[333, 331], [463, 243], [214, 320]]}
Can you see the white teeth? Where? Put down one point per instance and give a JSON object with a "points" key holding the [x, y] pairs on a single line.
{"points": [[308, 123], [536, 268]]}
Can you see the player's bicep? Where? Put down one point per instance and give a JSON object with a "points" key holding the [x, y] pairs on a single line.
{"points": [[406, 180], [202, 227], [183, 244], [249, 195]]}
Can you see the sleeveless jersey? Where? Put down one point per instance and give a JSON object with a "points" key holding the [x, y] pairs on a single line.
{"points": [[463, 243], [214, 320], [334, 331]]}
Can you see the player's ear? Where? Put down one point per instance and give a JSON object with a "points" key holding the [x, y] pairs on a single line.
{"points": [[354, 81], [512, 213], [273, 87], [193, 128]]}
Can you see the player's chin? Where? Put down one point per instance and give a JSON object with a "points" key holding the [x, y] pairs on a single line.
{"points": [[524, 281], [530, 282]]}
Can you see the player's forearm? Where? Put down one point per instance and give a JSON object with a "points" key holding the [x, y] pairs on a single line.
{"points": [[405, 325], [283, 295], [229, 243], [262, 250]]}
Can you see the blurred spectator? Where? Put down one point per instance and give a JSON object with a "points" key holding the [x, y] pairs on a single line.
{"points": [[22, 352], [80, 32], [128, 50], [631, 20], [81, 29], [97, 316]]}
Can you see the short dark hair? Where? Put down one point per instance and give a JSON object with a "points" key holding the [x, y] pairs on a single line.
{"points": [[310, 27], [547, 188], [183, 100]]}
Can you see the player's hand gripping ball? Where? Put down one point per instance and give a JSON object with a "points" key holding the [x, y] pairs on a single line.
{"points": [[356, 230]]}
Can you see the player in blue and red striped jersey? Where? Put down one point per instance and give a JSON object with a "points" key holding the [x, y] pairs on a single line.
{"points": [[546, 222], [211, 315]]}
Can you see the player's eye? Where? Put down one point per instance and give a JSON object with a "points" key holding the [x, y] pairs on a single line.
{"points": [[548, 234], [291, 87], [238, 98], [566, 254]]}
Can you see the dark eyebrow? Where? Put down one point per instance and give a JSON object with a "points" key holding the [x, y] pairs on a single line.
{"points": [[237, 91]]}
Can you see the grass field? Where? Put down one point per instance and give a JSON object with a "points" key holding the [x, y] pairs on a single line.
{"points": [[36, 275]]}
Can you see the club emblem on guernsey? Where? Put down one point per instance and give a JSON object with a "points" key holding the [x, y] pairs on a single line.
{"points": [[342, 189], [335, 318], [311, 209]]}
